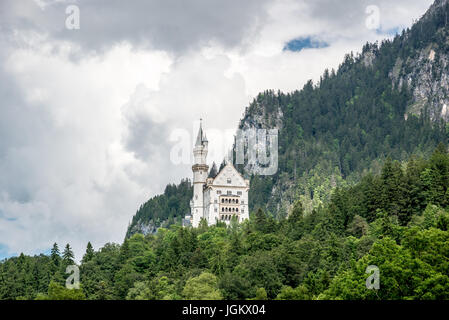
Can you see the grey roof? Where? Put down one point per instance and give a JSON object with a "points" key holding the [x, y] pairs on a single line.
{"points": [[201, 138]]}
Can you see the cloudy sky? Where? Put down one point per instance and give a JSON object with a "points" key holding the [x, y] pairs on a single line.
{"points": [[90, 116]]}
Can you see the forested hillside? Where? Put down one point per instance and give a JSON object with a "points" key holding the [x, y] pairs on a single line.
{"points": [[388, 101], [397, 220]]}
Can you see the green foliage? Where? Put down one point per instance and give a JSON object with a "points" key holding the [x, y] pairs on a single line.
{"points": [[203, 287], [261, 294], [54, 254], [288, 293], [318, 255], [67, 255], [58, 292], [170, 207], [140, 291], [414, 269], [89, 253]]}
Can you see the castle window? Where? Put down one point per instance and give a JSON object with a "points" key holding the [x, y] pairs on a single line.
{"points": [[239, 193], [243, 201], [196, 197], [237, 201], [222, 209], [243, 210], [229, 193], [233, 200], [215, 209], [229, 181], [237, 209], [218, 192]]}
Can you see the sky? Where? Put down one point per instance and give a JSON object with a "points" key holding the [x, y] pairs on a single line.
{"points": [[97, 96]]}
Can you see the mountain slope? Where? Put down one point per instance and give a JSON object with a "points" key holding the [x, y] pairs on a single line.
{"points": [[389, 100]]}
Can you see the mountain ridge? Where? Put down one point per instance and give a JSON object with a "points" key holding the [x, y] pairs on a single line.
{"points": [[336, 131]]}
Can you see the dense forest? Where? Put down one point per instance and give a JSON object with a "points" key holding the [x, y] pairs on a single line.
{"points": [[397, 220], [363, 180]]}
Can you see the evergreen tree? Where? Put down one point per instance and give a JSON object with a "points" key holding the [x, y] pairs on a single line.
{"points": [[89, 253], [68, 256], [295, 221], [261, 221], [54, 254]]}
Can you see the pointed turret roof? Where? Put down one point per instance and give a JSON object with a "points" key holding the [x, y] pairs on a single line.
{"points": [[201, 137]]}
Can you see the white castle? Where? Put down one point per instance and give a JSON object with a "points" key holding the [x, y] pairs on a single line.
{"points": [[219, 198]]}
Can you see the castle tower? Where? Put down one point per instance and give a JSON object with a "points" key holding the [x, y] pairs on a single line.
{"points": [[200, 172]]}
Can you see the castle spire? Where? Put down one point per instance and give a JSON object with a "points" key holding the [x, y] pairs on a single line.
{"points": [[200, 170], [199, 139]]}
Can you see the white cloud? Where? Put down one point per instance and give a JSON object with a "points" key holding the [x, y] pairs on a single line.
{"points": [[64, 173]]}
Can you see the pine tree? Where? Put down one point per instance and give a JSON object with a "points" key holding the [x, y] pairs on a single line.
{"points": [[295, 221], [55, 257], [125, 253], [89, 253], [67, 255], [261, 220]]}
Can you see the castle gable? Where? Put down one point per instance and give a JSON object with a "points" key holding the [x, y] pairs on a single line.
{"points": [[216, 199], [229, 176]]}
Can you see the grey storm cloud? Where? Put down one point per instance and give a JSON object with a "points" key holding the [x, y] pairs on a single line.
{"points": [[146, 137], [170, 25]]}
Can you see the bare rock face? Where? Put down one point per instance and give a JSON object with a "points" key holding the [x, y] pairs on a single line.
{"points": [[262, 114], [368, 57], [427, 72], [428, 77], [144, 228]]}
